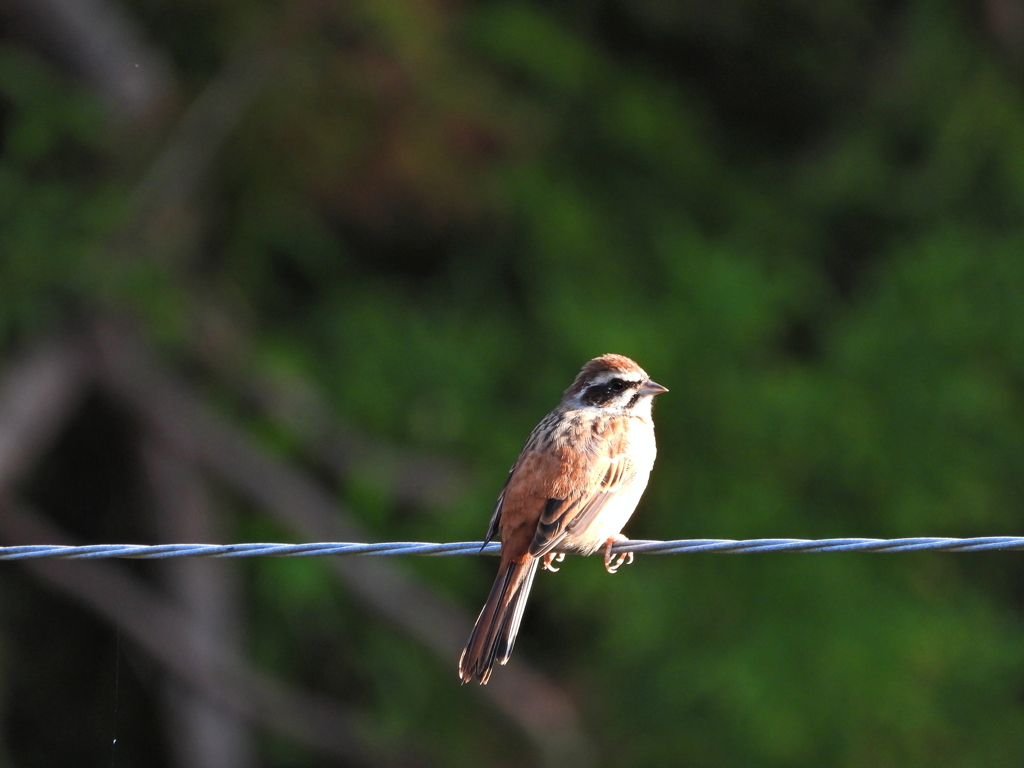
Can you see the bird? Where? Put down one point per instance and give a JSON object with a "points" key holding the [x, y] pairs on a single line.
{"points": [[572, 489]]}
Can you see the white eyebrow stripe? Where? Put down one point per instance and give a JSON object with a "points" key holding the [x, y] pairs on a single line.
{"points": [[606, 376]]}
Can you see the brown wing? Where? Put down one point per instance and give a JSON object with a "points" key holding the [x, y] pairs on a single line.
{"points": [[573, 514]]}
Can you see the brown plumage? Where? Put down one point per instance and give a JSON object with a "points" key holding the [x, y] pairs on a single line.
{"points": [[574, 486]]}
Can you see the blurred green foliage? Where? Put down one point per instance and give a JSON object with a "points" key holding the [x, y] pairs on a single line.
{"points": [[804, 218]]}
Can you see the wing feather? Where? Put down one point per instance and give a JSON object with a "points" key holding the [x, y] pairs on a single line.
{"points": [[573, 515], [495, 524]]}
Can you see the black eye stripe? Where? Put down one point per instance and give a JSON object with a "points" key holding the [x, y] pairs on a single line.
{"points": [[605, 393]]}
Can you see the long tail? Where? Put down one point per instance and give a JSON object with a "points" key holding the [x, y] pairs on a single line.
{"points": [[496, 627]]}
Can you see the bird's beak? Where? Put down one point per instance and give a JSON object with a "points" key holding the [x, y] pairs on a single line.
{"points": [[652, 388]]}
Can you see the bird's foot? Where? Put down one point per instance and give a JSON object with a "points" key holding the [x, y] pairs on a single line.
{"points": [[550, 558], [625, 557]]}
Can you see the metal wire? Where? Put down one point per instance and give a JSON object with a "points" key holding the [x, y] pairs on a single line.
{"points": [[638, 546]]}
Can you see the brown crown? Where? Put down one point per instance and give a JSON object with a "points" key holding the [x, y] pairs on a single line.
{"points": [[609, 362]]}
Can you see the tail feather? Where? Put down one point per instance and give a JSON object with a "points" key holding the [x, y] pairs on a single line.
{"points": [[506, 638], [494, 633]]}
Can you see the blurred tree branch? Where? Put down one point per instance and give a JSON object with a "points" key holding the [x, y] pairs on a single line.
{"points": [[203, 735], [100, 42], [176, 172], [37, 395]]}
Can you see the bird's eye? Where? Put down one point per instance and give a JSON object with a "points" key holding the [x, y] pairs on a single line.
{"points": [[616, 385]]}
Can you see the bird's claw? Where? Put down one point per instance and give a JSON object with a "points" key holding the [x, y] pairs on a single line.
{"points": [[625, 557], [550, 558]]}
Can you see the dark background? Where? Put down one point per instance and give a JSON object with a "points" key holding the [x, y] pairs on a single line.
{"points": [[304, 270]]}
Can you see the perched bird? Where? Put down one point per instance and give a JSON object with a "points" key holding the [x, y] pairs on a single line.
{"points": [[573, 487]]}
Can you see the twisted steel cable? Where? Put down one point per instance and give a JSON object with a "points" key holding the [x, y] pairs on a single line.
{"points": [[388, 549]]}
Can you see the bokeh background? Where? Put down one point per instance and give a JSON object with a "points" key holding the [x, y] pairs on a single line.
{"points": [[305, 270]]}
